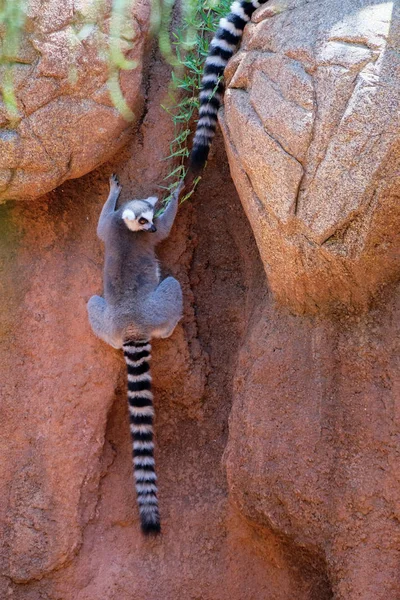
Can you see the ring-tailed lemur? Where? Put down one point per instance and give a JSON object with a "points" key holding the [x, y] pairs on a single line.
{"points": [[136, 307], [222, 48]]}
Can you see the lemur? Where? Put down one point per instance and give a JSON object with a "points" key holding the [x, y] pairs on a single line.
{"points": [[136, 307], [222, 48]]}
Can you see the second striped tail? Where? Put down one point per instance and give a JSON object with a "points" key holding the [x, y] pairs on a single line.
{"points": [[141, 412], [222, 48]]}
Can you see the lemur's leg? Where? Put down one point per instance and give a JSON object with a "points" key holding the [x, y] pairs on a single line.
{"points": [[100, 323], [109, 206], [165, 221], [165, 308]]}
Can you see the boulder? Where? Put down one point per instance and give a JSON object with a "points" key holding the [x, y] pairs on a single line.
{"points": [[66, 123], [311, 127]]}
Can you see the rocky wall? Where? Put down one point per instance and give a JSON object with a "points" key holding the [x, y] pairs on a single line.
{"points": [[277, 417]]}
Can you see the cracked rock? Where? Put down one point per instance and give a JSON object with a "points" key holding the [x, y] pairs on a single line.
{"points": [[312, 131], [66, 122]]}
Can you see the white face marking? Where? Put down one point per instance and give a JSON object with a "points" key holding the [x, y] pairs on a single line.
{"points": [[149, 216], [137, 210], [128, 214], [130, 219]]}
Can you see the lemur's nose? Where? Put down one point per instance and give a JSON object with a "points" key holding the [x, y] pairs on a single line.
{"points": [[153, 228]]}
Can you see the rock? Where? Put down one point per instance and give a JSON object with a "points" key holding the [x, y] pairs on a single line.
{"points": [[311, 454], [305, 503], [69, 524], [67, 123], [277, 434], [310, 121], [311, 127]]}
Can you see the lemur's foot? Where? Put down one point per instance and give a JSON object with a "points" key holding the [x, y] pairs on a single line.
{"points": [[167, 332], [114, 183]]}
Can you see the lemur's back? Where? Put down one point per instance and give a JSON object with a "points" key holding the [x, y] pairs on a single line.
{"points": [[131, 266]]}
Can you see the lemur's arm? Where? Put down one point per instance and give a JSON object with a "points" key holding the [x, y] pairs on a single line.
{"points": [[165, 221], [109, 207]]}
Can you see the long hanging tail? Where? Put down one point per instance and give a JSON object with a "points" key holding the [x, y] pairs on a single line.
{"points": [[222, 48], [141, 413]]}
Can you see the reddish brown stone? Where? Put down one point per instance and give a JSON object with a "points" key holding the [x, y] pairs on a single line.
{"points": [[67, 123], [277, 434]]}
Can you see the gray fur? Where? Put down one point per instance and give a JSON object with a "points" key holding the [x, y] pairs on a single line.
{"points": [[135, 305]]}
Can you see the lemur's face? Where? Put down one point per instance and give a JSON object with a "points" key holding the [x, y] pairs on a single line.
{"points": [[138, 215]]}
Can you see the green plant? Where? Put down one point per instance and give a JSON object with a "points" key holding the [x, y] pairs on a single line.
{"points": [[186, 49], [12, 19], [117, 60], [191, 42]]}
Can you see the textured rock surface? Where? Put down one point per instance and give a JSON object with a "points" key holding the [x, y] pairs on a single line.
{"points": [[59, 383], [310, 506], [67, 123], [277, 435], [313, 447], [69, 525], [311, 123]]}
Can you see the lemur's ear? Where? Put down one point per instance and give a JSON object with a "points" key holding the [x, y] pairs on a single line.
{"points": [[128, 215], [152, 200]]}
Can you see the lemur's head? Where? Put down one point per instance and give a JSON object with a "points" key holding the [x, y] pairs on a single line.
{"points": [[139, 214]]}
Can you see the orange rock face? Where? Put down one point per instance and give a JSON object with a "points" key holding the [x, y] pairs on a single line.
{"points": [[312, 451], [67, 123], [277, 433]]}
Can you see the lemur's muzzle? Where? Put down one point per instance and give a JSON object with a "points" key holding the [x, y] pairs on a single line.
{"points": [[153, 228]]}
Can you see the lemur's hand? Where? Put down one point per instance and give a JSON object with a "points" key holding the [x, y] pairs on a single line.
{"points": [[114, 184]]}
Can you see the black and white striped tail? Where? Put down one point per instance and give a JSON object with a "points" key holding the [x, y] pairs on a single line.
{"points": [[141, 413], [222, 48]]}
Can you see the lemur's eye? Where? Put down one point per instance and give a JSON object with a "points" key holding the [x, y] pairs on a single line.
{"points": [[142, 221]]}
